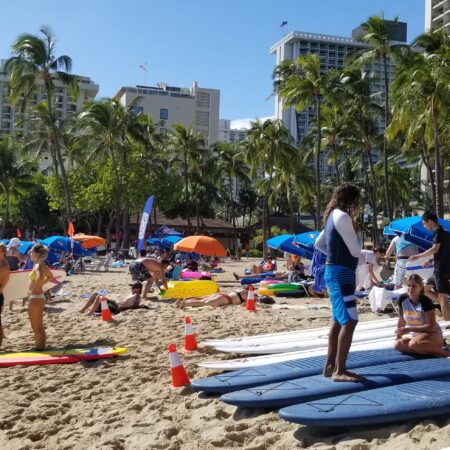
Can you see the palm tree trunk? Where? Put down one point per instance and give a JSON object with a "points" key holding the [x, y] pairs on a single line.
{"points": [[233, 219], [117, 189], [317, 164], [426, 162], [57, 147], [438, 166], [6, 218], [186, 183], [336, 166], [373, 201], [385, 142]]}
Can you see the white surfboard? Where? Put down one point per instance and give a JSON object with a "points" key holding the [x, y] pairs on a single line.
{"points": [[19, 282], [415, 267], [293, 335], [316, 342], [257, 361]]}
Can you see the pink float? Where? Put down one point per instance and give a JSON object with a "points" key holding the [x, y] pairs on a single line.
{"points": [[195, 275]]}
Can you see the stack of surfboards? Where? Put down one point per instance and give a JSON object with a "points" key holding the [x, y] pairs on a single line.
{"points": [[397, 386]]}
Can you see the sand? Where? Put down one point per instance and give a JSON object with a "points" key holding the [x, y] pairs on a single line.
{"points": [[128, 402]]}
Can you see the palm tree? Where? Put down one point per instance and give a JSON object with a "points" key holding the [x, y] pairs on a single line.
{"points": [[103, 127], [380, 48], [188, 148], [302, 84], [16, 175], [34, 63], [230, 169], [268, 145]]}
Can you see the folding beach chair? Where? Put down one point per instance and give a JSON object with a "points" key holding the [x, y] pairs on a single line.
{"points": [[104, 262]]}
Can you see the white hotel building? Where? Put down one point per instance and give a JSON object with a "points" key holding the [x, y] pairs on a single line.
{"points": [[168, 105], [437, 15], [332, 51]]}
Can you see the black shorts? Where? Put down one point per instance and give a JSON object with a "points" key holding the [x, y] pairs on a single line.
{"points": [[442, 282], [2, 300], [139, 272], [112, 305]]}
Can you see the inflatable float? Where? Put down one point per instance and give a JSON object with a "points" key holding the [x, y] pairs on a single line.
{"points": [[185, 289], [19, 281], [196, 275]]}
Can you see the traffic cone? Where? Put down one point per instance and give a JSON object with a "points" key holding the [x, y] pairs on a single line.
{"points": [[190, 343], [250, 304], [106, 313], [179, 375]]}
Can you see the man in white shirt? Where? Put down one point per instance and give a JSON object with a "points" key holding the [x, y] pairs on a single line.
{"points": [[368, 264]]}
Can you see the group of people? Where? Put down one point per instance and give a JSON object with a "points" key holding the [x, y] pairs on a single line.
{"points": [[417, 329]]}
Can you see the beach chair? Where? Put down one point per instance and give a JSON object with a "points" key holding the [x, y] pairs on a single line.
{"points": [[104, 262]]}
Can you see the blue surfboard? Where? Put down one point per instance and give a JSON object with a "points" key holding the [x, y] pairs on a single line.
{"points": [[412, 401], [302, 390], [272, 373]]}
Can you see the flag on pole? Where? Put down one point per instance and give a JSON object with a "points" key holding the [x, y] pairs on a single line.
{"points": [[144, 221], [19, 234], [71, 232], [283, 24]]}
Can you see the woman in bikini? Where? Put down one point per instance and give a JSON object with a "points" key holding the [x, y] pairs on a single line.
{"points": [[40, 275], [235, 297]]}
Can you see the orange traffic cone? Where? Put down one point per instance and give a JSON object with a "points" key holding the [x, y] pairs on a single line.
{"points": [[250, 304], [106, 313], [179, 375], [190, 343]]}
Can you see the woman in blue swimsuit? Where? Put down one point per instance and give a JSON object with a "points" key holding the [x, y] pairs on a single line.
{"points": [[341, 242]]}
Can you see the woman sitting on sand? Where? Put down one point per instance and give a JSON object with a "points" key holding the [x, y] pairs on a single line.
{"points": [[417, 316], [234, 297]]}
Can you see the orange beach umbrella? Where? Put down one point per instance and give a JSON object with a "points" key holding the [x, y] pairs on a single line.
{"points": [[89, 241], [203, 245]]}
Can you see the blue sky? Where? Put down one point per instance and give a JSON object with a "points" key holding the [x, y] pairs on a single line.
{"points": [[221, 44]]}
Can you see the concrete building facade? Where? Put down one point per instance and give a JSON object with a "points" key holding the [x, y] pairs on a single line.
{"points": [[437, 15], [228, 134], [65, 105], [332, 51], [168, 105]]}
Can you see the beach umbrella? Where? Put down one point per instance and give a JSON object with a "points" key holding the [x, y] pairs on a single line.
{"points": [[304, 242], [166, 231], [170, 241], [87, 241], [62, 244], [413, 230], [388, 232], [203, 245], [277, 241]]}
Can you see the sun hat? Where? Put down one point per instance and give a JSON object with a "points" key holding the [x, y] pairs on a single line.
{"points": [[14, 242]]}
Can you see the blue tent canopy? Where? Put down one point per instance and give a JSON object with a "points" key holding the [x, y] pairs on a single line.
{"points": [[24, 246], [166, 231], [413, 230]]}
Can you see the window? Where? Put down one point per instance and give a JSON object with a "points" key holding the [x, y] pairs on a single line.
{"points": [[137, 110], [163, 114]]}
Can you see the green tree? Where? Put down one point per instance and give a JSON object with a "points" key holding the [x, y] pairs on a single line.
{"points": [[16, 175], [34, 63]]}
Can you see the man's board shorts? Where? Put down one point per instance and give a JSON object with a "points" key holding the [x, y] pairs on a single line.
{"points": [[441, 282], [341, 285], [112, 305], [400, 270], [139, 272], [2, 300]]}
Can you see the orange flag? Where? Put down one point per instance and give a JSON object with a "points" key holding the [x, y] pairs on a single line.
{"points": [[19, 234], [71, 229]]}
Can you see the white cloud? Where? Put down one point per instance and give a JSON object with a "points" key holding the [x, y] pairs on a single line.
{"points": [[240, 124]]}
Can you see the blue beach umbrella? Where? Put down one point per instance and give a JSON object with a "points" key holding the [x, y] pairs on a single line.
{"points": [[305, 242], [169, 241], [277, 241], [63, 244], [413, 230]]}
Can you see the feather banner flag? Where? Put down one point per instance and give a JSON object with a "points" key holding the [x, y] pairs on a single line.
{"points": [[144, 221]]}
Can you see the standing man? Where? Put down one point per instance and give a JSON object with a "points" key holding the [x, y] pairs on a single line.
{"points": [[4, 278], [403, 249], [441, 254]]}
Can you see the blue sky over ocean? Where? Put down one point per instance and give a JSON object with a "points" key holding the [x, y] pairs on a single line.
{"points": [[223, 45]]}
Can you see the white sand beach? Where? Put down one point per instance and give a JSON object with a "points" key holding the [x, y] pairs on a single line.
{"points": [[128, 402]]}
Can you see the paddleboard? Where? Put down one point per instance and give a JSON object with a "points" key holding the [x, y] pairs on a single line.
{"points": [[412, 401], [301, 390], [294, 335], [63, 356], [320, 341], [19, 281], [276, 373], [258, 361]]}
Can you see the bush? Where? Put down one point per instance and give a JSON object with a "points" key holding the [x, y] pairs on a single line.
{"points": [[255, 253]]}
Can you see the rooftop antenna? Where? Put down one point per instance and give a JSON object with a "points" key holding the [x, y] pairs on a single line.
{"points": [[144, 68]]}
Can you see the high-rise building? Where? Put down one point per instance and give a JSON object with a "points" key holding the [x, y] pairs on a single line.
{"points": [[437, 15], [168, 105], [332, 51], [228, 134], [65, 105]]}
